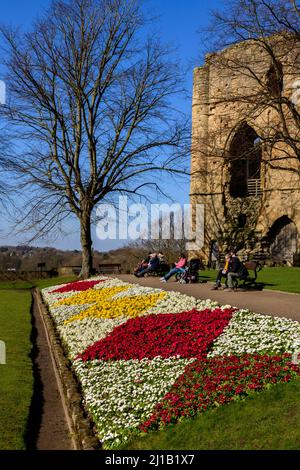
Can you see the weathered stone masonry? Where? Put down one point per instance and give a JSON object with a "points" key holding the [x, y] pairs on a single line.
{"points": [[231, 171]]}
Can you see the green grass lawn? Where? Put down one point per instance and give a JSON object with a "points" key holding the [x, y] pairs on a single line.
{"points": [[268, 421], [41, 283], [284, 279], [16, 376]]}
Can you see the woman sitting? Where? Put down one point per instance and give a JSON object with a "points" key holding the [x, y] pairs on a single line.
{"points": [[179, 268]]}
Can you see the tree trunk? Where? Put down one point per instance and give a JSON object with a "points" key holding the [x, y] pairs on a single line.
{"points": [[86, 246]]}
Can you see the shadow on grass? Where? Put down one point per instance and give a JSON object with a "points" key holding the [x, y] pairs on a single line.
{"points": [[37, 401]]}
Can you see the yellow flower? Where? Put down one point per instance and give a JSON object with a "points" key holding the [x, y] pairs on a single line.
{"points": [[91, 296], [123, 307]]}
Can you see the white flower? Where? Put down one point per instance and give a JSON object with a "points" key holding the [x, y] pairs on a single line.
{"points": [[120, 395], [117, 401], [252, 332]]}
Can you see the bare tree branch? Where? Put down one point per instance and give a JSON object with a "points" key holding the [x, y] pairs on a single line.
{"points": [[92, 104]]}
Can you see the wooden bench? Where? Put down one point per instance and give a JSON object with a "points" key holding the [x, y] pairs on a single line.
{"points": [[250, 280], [163, 268], [69, 270], [110, 268]]}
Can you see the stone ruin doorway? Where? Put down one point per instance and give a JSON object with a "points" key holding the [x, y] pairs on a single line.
{"points": [[283, 240]]}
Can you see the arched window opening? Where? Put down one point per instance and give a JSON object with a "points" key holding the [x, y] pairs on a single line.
{"points": [[245, 163], [283, 240], [274, 79]]}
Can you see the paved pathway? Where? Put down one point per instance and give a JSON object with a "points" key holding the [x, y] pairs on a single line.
{"points": [[48, 425], [268, 302]]}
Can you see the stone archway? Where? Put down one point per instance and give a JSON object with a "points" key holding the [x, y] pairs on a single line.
{"points": [[283, 240]]}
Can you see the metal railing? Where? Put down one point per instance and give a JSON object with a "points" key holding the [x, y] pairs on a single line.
{"points": [[254, 187]]}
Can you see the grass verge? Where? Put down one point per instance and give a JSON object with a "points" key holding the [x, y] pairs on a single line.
{"points": [[41, 283], [284, 279], [269, 420], [16, 376]]}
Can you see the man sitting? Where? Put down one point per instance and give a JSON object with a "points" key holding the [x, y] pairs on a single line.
{"points": [[152, 266], [223, 272], [237, 271]]}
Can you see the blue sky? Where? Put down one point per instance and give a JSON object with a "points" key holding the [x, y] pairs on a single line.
{"points": [[178, 23]]}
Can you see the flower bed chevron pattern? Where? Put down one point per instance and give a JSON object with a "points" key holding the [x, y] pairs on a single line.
{"points": [[213, 382], [146, 357]]}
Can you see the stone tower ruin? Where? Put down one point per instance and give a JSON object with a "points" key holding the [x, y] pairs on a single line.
{"points": [[244, 168]]}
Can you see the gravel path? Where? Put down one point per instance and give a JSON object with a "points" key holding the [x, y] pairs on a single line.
{"points": [[268, 302]]}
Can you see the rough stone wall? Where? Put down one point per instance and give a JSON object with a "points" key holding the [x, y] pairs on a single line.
{"points": [[215, 117]]}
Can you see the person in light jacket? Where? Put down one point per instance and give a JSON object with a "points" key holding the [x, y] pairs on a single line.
{"points": [[179, 268]]}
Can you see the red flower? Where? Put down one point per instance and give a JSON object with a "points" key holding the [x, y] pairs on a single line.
{"points": [[211, 381], [77, 286], [186, 334]]}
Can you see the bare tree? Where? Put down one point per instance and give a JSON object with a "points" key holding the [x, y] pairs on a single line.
{"points": [[271, 29], [4, 149], [91, 102]]}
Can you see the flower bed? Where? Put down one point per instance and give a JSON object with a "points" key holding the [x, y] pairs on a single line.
{"points": [[146, 357], [215, 381], [77, 286], [186, 334], [120, 395], [250, 332]]}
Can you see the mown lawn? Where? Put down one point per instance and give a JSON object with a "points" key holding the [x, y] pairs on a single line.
{"points": [[268, 421], [16, 376], [284, 279], [41, 283]]}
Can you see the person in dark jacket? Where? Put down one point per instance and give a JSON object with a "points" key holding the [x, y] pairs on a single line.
{"points": [[223, 272], [237, 270], [143, 264], [153, 266]]}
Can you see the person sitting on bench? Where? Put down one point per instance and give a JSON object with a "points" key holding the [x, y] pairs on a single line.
{"points": [[237, 271], [223, 272], [179, 268], [153, 266], [143, 264]]}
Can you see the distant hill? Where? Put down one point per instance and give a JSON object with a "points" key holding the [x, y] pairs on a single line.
{"points": [[27, 258]]}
